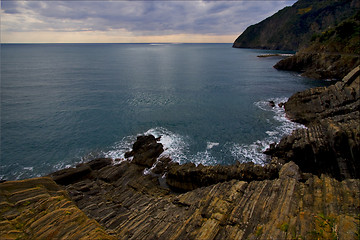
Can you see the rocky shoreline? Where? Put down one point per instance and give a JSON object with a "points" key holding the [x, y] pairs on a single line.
{"points": [[310, 189], [320, 65]]}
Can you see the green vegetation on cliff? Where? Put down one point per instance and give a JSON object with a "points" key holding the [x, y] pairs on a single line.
{"points": [[331, 54], [342, 38], [293, 27]]}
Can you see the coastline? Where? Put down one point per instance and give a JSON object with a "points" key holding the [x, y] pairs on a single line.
{"points": [[283, 199]]}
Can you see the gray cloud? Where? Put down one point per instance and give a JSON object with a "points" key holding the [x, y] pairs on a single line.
{"points": [[138, 17]]}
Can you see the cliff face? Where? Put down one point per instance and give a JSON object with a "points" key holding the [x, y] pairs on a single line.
{"points": [[293, 27]]}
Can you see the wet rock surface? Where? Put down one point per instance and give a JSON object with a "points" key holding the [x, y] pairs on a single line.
{"points": [[331, 142]]}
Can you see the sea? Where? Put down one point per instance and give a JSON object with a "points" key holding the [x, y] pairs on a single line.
{"points": [[63, 104]]}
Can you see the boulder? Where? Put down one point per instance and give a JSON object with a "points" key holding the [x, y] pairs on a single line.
{"points": [[145, 150], [290, 170]]}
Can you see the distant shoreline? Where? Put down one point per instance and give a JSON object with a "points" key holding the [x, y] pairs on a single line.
{"points": [[276, 55]]}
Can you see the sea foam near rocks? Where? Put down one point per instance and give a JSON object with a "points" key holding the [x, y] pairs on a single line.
{"points": [[254, 152]]}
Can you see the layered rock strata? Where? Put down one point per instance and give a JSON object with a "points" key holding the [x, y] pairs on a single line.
{"points": [[331, 142], [134, 205], [40, 209]]}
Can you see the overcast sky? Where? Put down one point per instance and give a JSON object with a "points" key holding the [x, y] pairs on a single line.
{"points": [[131, 21]]}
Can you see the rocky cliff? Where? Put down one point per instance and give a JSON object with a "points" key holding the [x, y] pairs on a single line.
{"points": [[293, 27], [331, 142]]}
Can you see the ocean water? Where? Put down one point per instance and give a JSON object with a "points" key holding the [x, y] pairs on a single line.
{"points": [[62, 104]]}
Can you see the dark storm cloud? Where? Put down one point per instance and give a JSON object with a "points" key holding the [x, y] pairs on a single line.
{"points": [[140, 17]]}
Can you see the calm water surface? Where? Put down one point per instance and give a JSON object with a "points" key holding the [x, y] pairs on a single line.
{"points": [[66, 103]]}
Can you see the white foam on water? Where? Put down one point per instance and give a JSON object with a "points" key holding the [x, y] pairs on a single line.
{"points": [[120, 148], [175, 145], [272, 133], [250, 152], [210, 145], [205, 158], [254, 152], [29, 168]]}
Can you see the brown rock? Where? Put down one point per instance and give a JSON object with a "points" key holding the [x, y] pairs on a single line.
{"points": [[99, 163], [290, 170], [39, 209]]}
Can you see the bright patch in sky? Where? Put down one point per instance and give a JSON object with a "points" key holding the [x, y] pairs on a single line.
{"points": [[130, 21]]}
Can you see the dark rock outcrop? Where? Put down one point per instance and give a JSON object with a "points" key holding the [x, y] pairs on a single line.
{"points": [[187, 177], [71, 175], [331, 142], [320, 65], [145, 151]]}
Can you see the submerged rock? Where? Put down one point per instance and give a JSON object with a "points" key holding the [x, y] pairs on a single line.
{"points": [[272, 104]]}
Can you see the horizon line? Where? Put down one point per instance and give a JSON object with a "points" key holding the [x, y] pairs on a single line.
{"points": [[117, 43]]}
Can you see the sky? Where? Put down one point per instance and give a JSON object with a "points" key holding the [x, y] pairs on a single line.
{"points": [[121, 21]]}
